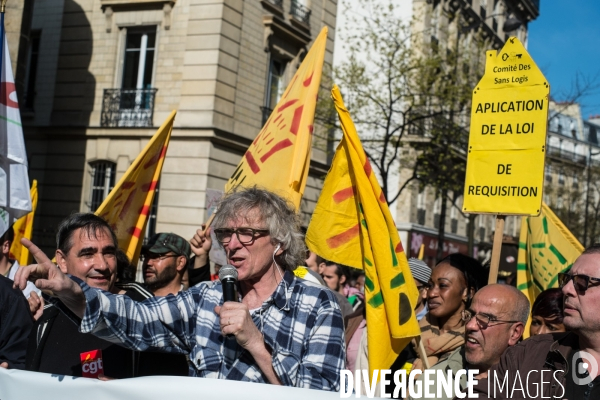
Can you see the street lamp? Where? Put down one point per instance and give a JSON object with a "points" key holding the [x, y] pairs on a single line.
{"points": [[511, 24]]}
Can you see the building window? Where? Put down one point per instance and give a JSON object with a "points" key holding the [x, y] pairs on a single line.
{"points": [[575, 181], [103, 180], [561, 177], [139, 58], [549, 173], [32, 65], [300, 11], [133, 104], [453, 225], [481, 234], [275, 86], [481, 229], [453, 219], [421, 213]]}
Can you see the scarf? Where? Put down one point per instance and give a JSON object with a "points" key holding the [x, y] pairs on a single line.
{"points": [[437, 346]]}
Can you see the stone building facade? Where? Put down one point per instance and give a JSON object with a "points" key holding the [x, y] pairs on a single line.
{"points": [[104, 74]]}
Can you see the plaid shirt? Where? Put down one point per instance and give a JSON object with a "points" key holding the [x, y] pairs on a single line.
{"points": [[301, 323]]}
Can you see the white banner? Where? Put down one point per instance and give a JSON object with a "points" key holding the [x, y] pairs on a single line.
{"points": [[14, 180], [25, 385]]}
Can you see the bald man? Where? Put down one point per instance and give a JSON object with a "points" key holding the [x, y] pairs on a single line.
{"points": [[494, 322]]}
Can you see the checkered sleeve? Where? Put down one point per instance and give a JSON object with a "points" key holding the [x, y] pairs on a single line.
{"points": [[324, 351], [159, 323]]}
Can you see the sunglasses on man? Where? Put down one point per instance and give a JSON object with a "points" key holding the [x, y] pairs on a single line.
{"points": [[580, 282]]}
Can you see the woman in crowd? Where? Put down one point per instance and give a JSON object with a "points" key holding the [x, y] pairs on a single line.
{"points": [[547, 313], [452, 284]]}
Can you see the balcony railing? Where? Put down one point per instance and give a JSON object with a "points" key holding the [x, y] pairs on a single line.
{"points": [[278, 3], [567, 155], [300, 12], [127, 107]]}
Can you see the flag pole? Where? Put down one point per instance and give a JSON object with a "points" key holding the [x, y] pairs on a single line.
{"points": [[422, 352], [2, 10], [496, 249]]}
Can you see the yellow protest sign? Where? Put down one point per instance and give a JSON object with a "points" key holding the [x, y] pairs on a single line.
{"points": [[505, 164]]}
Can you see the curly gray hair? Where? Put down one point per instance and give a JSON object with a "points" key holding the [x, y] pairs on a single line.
{"points": [[278, 215]]}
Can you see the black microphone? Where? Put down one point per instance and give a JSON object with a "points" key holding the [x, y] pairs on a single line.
{"points": [[228, 276]]}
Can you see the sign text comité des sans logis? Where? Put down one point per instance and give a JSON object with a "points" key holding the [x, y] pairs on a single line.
{"points": [[505, 164]]}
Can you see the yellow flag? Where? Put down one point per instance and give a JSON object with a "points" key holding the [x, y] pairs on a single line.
{"points": [[352, 225], [23, 228], [278, 159], [127, 206], [546, 247]]}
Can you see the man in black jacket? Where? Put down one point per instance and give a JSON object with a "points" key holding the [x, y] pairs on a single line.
{"points": [[86, 248], [15, 325], [566, 365]]}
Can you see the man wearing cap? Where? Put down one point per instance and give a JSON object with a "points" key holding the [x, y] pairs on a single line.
{"points": [[165, 259], [421, 273]]}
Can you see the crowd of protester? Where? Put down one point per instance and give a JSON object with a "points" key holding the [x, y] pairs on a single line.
{"points": [[299, 318]]}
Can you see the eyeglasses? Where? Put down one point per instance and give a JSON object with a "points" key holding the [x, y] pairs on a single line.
{"points": [[580, 282], [244, 235], [422, 287], [483, 320], [156, 257]]}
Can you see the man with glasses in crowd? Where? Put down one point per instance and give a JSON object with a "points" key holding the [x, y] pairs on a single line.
{"points": [[562, 365], [494, 322], [165, 258], [283, 331], [164, 261]]}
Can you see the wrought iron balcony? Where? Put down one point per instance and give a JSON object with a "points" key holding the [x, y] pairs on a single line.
{"points": [[278, 3], [127, 107], [300, 12], [567, 155]]}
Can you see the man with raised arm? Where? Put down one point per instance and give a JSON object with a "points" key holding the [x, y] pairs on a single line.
{"points": [[283, 330], [86, 249]]}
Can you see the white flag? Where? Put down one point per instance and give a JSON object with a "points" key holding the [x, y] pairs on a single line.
{"points": [[15, 200]]}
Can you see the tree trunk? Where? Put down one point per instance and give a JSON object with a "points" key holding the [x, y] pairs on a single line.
{"points": [[442, 226], [471, 234]]}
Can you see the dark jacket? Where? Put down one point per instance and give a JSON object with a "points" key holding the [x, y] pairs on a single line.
{"points": [[15, 324], [539, 353], [56, 345], [197, 275]]}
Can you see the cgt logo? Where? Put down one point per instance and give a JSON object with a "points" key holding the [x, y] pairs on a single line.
{"points": [[91, 364], [92, 367], [585, 367]]}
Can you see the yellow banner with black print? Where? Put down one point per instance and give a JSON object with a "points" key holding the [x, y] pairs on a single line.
{"points": [[546, 248]]}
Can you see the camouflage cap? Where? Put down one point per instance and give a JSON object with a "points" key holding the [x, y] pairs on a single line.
{"points": [[162, 243]]}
